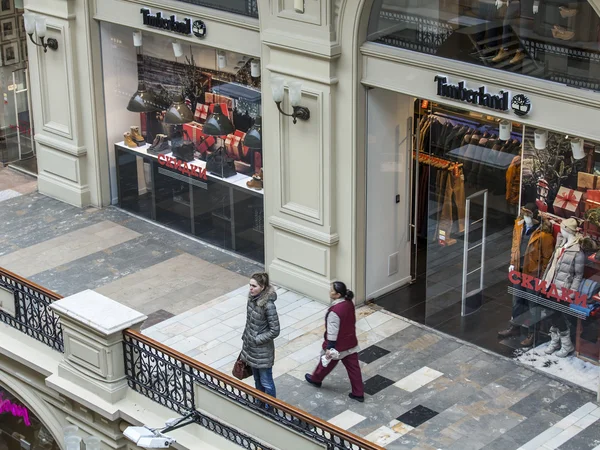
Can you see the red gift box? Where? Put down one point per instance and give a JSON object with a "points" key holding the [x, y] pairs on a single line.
{"points": [[193, 130], [567, 202], [592, 199], [206, 144], [201, 113]]}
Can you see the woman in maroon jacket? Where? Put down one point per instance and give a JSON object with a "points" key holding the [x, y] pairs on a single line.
{"points": [[340, 341]]}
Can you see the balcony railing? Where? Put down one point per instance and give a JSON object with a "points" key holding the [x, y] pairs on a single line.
{"points": [[31, 313], [168, 377]]}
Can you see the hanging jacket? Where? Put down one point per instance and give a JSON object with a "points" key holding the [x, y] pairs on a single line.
{"points": [[539, 249], [513, 181]]}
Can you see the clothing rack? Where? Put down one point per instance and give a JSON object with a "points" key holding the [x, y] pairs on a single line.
{"points": [[435, 161]]}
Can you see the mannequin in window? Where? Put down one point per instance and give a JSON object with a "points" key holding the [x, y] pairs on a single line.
{"points": [[565, 271], [511, 22], [532, 248]]}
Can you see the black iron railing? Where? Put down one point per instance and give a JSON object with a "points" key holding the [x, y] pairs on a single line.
{"points": [[31, 314], [168, 377]]}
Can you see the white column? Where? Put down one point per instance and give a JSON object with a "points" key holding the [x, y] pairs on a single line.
{"points": [[93, 336]]}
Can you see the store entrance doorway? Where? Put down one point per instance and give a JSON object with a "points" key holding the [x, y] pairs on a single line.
{"points": [[442, 257]]}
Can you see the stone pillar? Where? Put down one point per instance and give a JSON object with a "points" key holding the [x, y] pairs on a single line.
{"points": [[310, 168], [68, 121], [93, 335]]}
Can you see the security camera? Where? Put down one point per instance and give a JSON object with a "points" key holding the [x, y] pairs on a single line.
{"points": [[146, 438]]}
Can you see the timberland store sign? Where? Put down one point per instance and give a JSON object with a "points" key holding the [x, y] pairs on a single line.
{"points": [[185, 26], [500, 102]]}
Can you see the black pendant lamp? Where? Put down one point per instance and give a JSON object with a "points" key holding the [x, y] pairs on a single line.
{"points": [[217, 123], [253, 137], [143, 100], [178, 113]]}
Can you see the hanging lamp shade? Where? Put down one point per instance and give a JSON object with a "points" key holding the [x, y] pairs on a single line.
{"points": [[143, 101], [217, 123], [253, 137], [178, 113]]}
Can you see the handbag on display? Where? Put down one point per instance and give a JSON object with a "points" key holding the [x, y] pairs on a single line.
{"points": [[241, 370], [184, 152], [218, 163]]}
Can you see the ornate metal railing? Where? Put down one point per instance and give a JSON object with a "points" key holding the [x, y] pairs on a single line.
{"points": [[32, 314], [168, 377]]}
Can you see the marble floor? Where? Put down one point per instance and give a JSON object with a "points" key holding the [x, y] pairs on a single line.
{"points": [[424, 390]]}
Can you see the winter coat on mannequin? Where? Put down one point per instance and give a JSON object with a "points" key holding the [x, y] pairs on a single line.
{"points": [[539, 249], [568, 260]]}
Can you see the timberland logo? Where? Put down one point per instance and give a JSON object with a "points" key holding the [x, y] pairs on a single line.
{"points": [[479, 97], [170, 24], [549, 290]]}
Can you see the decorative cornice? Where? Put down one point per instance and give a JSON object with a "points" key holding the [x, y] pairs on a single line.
{"points": [[306, 232]]}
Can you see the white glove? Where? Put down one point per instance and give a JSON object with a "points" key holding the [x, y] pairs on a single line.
{"points": [[511, 268], [536, 7]]}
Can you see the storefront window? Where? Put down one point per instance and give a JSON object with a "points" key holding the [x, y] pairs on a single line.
{"points": [[503, 237], [552, 40], [185, 133], [16, 125], [20, 428], [244, 7]]}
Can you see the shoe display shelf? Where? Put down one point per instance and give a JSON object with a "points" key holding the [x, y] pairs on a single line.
{"points": [[215, 209]]}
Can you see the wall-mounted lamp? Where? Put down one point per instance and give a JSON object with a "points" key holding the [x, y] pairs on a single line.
{"points": [[221, 59], [255, 68], [295, 87], [177, 49], [37, 25], [137, 38]]}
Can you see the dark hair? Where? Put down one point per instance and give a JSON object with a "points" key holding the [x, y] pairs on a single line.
{"points": [[261, 278], [341, 289]]}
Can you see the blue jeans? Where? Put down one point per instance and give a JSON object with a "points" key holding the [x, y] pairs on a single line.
{"points": [[263, 380]]}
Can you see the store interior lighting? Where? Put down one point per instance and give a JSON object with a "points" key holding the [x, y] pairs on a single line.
{"points": [[221, 60], [577, 148], [255, 68], [137, 38], [295, 89], [253, 138], [217, 123], [38, 25], [177, 49], [540, 139], [178, 113], [505, 130]]}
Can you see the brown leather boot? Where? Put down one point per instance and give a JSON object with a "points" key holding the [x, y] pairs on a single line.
{"points": [[528, 341], [137, 136], [562, 33], [512, 330], [567, 12], [519, 56], [501, 56], [256, 182], [128, 141]]}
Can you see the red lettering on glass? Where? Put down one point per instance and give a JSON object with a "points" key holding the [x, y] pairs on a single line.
{"points": [[549, 290]]}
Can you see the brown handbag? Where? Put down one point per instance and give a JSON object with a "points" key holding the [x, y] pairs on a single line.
{"points": [[241, 370]]}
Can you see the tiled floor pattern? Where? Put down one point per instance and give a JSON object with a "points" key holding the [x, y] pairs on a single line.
{"points": [[14, 184], [424, 390], [69, 249]]}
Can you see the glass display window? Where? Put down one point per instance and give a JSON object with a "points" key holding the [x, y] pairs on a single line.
{"points": [[185, 128], [547, 39], [501, 245]]}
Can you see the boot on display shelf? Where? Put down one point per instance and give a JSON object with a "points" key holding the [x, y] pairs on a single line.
{"points": [[519, 56], [128, 141], [257, 181], [562, 33], [501, 56], [137, 136], [566, 346], [160, 145], [567, 12], [554, 341]]}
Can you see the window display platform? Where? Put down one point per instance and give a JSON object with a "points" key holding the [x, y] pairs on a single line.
{"points": [[222, 211]]}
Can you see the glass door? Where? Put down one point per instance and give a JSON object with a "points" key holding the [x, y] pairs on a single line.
{"points": [[22, 110]]}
